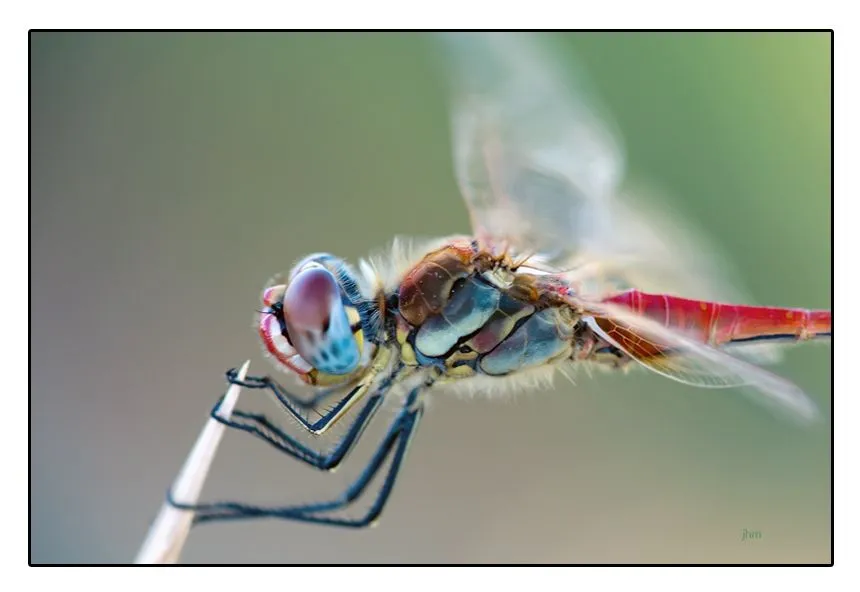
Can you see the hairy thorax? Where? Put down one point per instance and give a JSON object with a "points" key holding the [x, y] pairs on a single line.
{"points": [[467, 311]]}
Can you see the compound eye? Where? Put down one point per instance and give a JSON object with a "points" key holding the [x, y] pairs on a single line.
{"points": [[317, 321], [309, 298]]}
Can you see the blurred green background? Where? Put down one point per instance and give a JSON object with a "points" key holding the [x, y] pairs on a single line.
{"points": [[172, 174]]}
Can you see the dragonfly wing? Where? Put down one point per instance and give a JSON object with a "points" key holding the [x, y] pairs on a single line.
{"points": [[540, 167], [655, 249], [534, 159], [684, 359]]}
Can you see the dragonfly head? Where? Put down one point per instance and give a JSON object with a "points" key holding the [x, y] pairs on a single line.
{"points": [[317, 324]]}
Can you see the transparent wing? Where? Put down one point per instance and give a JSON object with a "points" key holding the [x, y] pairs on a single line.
{"points": [[540, 167], [681, 358], [533, 159]]}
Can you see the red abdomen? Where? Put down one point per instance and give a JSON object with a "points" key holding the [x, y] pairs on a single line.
{"points": [[721, 324]]}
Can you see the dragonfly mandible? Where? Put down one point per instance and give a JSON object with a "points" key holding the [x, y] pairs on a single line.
{"points": [[560, 271]]}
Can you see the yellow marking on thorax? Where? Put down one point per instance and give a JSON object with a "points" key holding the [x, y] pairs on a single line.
{"points": [[402, 331], [407, 354], [355, 318], [459, 356], [460, 372], [352, 315]]}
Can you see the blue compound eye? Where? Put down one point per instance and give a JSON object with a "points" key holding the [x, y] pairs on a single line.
{"points": [[317, 321]]}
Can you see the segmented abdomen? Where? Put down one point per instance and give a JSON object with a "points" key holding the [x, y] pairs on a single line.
{"points": [[722, 324]]}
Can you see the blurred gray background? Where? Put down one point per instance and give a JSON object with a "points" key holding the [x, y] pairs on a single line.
{"points": [[172, 174]]}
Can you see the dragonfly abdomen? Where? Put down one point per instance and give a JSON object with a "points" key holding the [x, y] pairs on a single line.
{"points": [[725, 324]]}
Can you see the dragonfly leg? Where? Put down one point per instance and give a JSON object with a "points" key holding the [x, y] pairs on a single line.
{"points": [[262, 427], [266, 382], [289, 402], [394, 444]]}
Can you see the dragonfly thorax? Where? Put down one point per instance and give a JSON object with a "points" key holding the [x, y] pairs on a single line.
{"points": [[470, 311]]}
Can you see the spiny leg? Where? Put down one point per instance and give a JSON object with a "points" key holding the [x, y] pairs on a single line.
{"points": [[293, 405], [262, 427], [266, 382], [342, 406], [397, 439]]}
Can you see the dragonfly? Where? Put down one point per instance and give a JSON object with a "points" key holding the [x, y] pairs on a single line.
{"points": [[562, 270]]}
